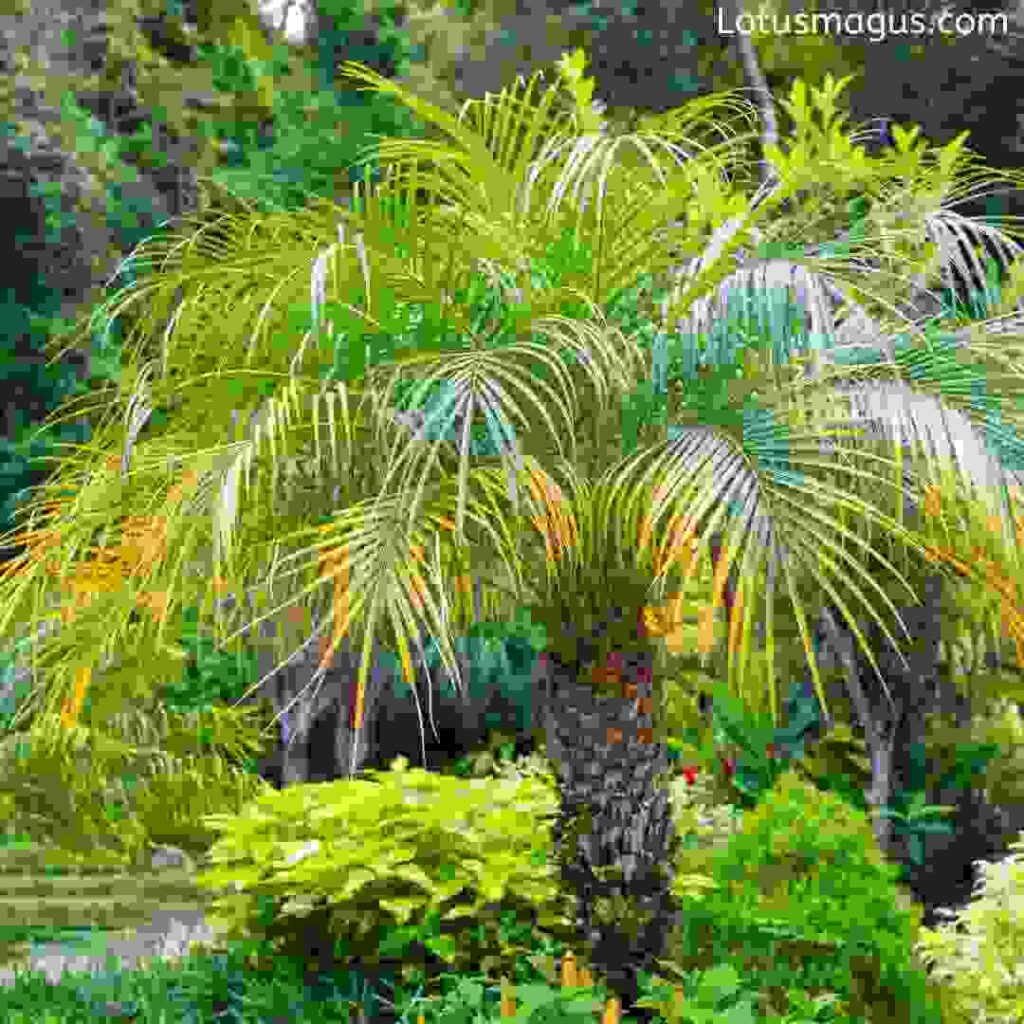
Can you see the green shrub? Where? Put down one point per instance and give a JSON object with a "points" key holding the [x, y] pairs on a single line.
{"points": [[320, 129], [401, 866], [148, 777], [803, 897], [977, 958], [470, 1002], [209, 675], [1000, 722], [721, 996]]}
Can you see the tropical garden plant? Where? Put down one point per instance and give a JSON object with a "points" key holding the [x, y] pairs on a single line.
{"points": [[978, 953], [802, 896], [432, 869], [346, 413]]}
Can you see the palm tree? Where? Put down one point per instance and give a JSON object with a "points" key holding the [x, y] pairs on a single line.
{"points": [[477, 391]]}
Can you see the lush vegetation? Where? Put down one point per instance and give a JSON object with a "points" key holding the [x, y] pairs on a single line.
{"points": [[485, 897], [316, 130], [757, 889], [758, 882]]}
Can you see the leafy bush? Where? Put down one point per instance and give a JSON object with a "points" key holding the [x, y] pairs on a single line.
{"points": [[470, 1002], [151, 778], [978, 956], [721, 995], [209, 675], [1000, 723], [200, 989], [402, 865], [746, 753], [804, 898], [714, 995]]}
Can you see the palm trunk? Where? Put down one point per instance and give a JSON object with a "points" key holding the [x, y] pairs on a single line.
{"points": [[615, 833], [879, 732], [331, 692], [891, 725]]}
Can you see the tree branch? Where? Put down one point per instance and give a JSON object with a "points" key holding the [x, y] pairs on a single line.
{"points": [[756, 80]]}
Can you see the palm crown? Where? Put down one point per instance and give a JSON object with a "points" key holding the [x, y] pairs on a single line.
{"points": [[765, 366]]}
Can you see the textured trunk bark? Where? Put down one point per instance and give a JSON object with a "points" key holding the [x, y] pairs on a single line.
{"points": [[615, 832], [920, 688], [881, 792], [947, 873]]}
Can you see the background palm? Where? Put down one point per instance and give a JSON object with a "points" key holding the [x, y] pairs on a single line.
{"points": [[406, 522]]}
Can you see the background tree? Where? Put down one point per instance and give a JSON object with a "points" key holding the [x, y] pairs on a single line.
{"points": [[461, 53], [120, 117]]}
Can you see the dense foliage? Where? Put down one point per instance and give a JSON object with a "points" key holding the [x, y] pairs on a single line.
{"points": [[149, 780], [278, 131], [978, 955], [294, 849], [314, 137], [394, 868], [802, 896]]}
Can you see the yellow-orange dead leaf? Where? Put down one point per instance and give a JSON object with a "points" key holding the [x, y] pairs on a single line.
{"points": [[736, 622], [667, 621], [679, 995], [407, 672], [508, 1000], [326, 652], [644, 533], [706, 628], [73, 708], [418, 591], [721, 575], [143, 541], [155, 602]]}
